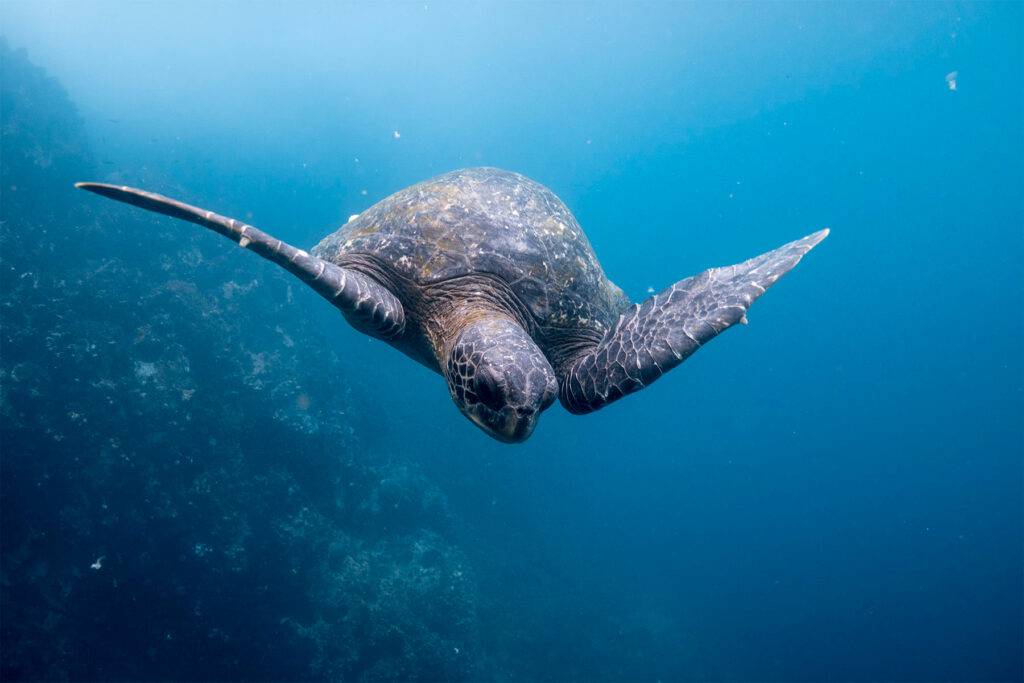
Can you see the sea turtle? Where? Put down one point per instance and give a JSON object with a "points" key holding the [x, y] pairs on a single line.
{"points": [[485, 277]]}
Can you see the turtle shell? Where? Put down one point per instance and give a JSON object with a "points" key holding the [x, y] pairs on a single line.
{"points": [[485, 220]]}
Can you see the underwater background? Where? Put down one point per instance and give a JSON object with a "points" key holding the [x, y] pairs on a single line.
{"points": [[207, 475]]}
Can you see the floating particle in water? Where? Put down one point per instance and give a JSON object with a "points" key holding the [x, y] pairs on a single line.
{"points": [[98, 564], [397, 135], [951, 79]]}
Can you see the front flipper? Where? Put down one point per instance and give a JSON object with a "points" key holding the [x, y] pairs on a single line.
{"points": [[653, 337], [367, 305]]}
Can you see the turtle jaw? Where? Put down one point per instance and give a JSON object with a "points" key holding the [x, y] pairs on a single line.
{"points": [[514, 419], [506, 425]]}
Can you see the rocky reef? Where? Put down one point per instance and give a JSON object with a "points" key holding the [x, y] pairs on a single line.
{"points": [[185, 495]]}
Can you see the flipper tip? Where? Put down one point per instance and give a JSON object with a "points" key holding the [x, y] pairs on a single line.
{"points": [[91, 187], [123, 194], [805, 244], [100, 186]]}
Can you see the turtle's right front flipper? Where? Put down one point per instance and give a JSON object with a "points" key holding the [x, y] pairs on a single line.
{"points": [[653, 337], [370, 307]]}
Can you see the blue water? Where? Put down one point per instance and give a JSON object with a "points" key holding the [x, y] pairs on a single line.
{"points": [[833, 492]]}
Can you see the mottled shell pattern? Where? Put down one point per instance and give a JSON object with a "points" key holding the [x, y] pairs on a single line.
{"points": [[485, 220]]}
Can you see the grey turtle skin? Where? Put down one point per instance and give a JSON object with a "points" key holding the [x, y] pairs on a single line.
{"points": [[485, 277]]}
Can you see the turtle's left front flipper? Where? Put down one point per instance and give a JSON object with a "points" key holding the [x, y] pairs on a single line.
{"points": [[653, 337], [369, 306]]}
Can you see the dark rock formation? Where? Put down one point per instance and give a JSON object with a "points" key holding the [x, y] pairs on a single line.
{"points": [[184, 496]]}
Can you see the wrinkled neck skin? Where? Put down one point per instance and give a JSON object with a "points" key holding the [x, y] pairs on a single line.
{"points": [[497, 375]]}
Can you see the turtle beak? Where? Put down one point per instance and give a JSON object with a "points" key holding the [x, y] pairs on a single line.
{"points": [[514, 424], [507, 425], [518, 425]]}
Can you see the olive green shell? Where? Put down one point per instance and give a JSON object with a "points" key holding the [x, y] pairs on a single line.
{"points": [[485, 220]]}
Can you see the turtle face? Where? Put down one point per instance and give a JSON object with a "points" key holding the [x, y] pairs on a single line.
{"points": [[499, 379]]}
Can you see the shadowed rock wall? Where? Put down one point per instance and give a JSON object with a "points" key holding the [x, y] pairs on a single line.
{"points": [[184, 493]]}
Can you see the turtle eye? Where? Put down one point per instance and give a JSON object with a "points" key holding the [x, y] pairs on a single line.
{"points": [[487, 391]]}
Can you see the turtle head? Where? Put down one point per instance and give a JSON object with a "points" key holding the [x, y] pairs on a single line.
{"points": [[499, 378]]}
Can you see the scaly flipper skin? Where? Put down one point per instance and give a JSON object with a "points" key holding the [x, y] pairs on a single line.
{"points": [[368, 306], [653, 337]]}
